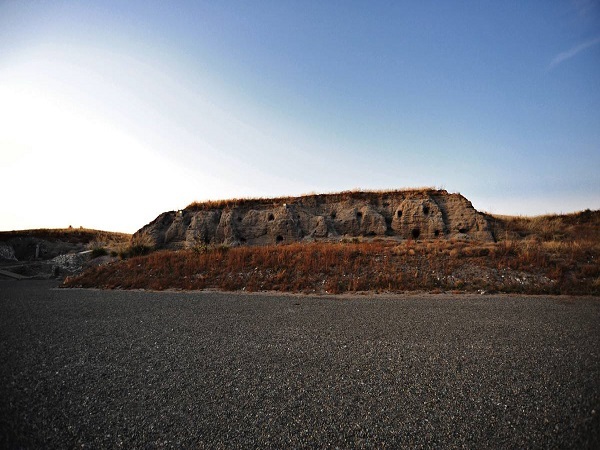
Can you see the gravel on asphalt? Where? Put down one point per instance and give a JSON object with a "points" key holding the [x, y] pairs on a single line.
{"points": [[91, 368]]}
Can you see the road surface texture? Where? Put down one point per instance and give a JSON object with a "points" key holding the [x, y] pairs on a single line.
{"points": [[106, 369]]}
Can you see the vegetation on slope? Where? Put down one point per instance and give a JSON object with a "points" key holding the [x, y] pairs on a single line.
{"points": [[306, 199], [69, 235], [541, 255]]}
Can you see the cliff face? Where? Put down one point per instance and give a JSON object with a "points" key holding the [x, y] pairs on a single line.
{"points": [[422, 214]]}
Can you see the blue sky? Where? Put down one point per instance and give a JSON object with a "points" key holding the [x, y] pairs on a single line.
{"points": [[113, 112]]}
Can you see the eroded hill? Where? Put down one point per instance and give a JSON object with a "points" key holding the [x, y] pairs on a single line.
{"points": [[401, 241], [408, 214]]}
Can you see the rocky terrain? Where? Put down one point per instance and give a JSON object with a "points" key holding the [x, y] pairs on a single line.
{"points": [[394, 241], [48, 253], [359, 242], [408, 214]]}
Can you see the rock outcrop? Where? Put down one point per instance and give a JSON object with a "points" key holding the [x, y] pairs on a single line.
{"points": [[408, 214]]}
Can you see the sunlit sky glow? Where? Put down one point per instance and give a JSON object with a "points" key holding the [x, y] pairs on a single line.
{"points": [[113, 112]]}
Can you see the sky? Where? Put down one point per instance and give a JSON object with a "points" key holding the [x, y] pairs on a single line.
{"points": [[113, 112]]}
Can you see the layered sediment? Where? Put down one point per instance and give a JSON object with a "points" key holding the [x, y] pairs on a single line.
{"points": [[408, 214]]}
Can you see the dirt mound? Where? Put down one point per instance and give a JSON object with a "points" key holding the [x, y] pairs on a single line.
{"points": [[401, 215]]}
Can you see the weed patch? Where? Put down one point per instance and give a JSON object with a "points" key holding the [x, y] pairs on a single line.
{"points": [[356, 267], [542, 255]]}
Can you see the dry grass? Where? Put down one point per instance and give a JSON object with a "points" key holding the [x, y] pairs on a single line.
{"points": [[540, 255], [72, 235], [125, 247], [355, 194], [507, 266], [581, 226]]}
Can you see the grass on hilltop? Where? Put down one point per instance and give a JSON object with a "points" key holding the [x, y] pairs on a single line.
{"points": [[355, 194], [72, 235]]}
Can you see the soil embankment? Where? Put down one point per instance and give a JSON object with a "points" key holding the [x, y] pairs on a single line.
{"points": [[541, 255], [406, 214]]}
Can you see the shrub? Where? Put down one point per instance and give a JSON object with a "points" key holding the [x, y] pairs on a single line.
{"points": [[140, 244], [138, 250], [99, 251]]}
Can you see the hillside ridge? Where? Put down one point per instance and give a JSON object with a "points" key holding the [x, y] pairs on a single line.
{"points": [[394, 214]]}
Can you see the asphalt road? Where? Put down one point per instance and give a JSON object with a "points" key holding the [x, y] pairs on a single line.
{"points": [[95, 369]]}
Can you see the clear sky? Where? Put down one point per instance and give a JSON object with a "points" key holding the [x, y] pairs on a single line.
{"points": [[112, 112]]}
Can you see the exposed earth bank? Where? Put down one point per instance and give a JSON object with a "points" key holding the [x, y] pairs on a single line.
{"points": [[391, 241], [406, 214]]}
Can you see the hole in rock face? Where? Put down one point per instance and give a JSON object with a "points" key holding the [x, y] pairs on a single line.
{"points": [[243, 240], [425, 210], [399, 214], [436, 233], [279, 238], [415, 233], [333, 214], [271, 217], [239, 219], [359, 215], [462, 230]]}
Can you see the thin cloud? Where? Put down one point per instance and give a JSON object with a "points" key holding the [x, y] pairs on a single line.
{"points": [[564, 56]]}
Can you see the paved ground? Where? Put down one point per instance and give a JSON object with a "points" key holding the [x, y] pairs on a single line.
{"points": [[138, 369]]}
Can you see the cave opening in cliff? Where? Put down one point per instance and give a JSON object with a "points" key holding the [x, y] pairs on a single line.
{"points": [[425, 209], [436, 233], [279, 238], [399, 213], [415, 233], [359, 215], [271, 217]]}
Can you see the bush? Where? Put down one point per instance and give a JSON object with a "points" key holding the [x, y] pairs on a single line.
{"points": [[138, 250], [141, 244], [99, 251]]}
